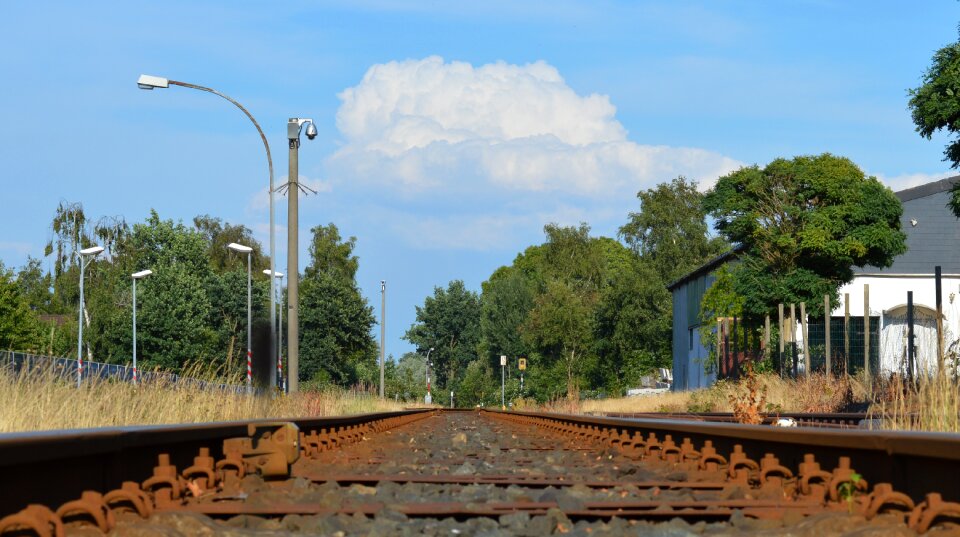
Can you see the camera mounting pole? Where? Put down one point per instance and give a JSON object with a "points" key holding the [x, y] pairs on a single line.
{"points": [[294, 126]]}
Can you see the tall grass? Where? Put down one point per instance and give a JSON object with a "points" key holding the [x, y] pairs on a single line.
{"points": [[42, 400], [931, 403], [817, 393]]}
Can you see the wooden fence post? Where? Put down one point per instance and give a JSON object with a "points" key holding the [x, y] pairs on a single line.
{"points": [[766, 338], [826, 333], [866, 329], [780, 337], [806, 340], [846, 333], [793, 338]]}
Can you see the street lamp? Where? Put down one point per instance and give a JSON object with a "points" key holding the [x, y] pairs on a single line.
{"points": [[280, 380], [148, 82], [294, 126], [426, 366], [383, 330], [86, 257], [136, 276], [239, 248]]}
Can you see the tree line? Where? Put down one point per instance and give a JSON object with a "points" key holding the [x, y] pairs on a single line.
{"points": [[193, 308]]}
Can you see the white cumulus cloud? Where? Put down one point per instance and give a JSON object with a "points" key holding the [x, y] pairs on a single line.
{"points": [[428, 124]]}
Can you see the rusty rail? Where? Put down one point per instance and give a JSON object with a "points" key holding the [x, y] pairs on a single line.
{"points": [[92, 477]]}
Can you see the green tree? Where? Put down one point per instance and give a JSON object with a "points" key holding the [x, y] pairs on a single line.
{"points": [[802, 225], [331, 254], [478, 387], [935, 106], [218, 234], [670, 232], [35, 285], [336, 322], [633, 319], [19, 328], [506, 300], [448, 321], [561, 324]]}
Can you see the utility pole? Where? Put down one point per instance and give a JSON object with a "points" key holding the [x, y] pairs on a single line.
{"points": [[293, 243], [383, 329]]}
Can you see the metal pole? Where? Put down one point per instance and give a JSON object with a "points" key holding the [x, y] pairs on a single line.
{"points": [[134, 331], [826, 334], [249, 333], [293, 261], [80, 328], [383, 330], [937, 274], [910, 356], [866, 329], [266, 146]]}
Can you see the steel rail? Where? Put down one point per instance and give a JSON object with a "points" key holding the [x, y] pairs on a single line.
{"points": [[51, 467], [915, 463]]}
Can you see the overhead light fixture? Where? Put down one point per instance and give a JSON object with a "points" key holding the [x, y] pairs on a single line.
{"points": [[149, 82]]}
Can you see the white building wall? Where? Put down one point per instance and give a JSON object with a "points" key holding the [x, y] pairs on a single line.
{"points": [[888, 299]]}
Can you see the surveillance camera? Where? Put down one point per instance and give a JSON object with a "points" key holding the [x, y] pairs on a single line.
{"points": [[311, 131]]}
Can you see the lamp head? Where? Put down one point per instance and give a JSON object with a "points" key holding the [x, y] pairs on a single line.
{"points": [[93, 250], [275, 274], [239, 248], [149, 82], [311, 130], [141, 274]]}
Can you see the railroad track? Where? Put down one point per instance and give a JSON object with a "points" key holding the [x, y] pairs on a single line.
{"points": [[449, 472]]}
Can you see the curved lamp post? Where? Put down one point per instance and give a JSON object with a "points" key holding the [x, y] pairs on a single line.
{"points": [[136, 276], [148, 82], [86, 256]]}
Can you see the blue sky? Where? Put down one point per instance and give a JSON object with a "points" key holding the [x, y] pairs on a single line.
{"points": [[448, 135]]}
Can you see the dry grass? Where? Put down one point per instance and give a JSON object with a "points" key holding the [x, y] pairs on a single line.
{"points": [[818, 393], [932, 403], [41, 401]]}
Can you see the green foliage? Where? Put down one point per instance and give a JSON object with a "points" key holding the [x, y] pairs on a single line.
{"points": [[218, 234], [332, 255], [35, 286], [407, 378], [935, 105], [449, 322], [670, 231], [801, 225], [19, 327], [478, 387], [506, 300], [335, 320]]}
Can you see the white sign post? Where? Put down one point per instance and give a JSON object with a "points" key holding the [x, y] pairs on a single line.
{"points": [[503, 377]]}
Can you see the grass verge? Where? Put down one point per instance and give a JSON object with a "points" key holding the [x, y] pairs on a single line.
{"points": [[42, 401]]}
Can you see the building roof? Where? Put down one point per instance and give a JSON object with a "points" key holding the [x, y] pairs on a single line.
{"points": [[928, 189], [706, 268]]}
